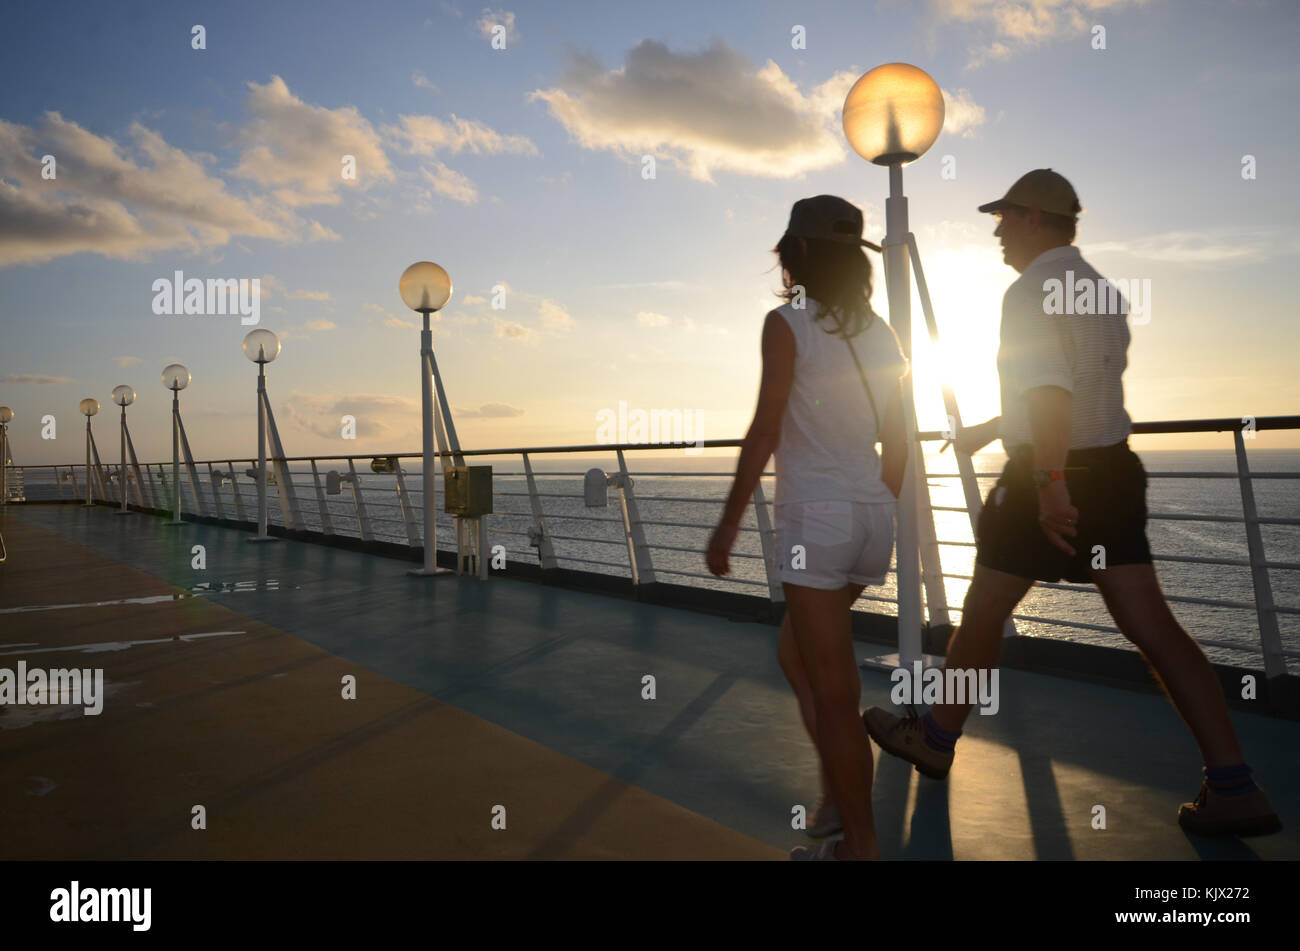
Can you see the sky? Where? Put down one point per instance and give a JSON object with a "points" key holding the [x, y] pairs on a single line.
{"points": [[522, 170]]}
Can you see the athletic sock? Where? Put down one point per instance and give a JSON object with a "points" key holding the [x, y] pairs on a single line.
{"points": [[936, 737], [1230, 780]]}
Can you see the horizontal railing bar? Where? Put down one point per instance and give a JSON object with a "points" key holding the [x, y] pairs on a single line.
{"points": [[598, 541], [693, 551], [1231, 424], [698, 574], [589, 561]]}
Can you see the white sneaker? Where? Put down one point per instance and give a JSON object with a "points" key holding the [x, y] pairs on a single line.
{"points": [[824, 852]]}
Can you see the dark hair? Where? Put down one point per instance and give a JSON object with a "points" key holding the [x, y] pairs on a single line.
{"points": [[835, 274], [1064, 225]]}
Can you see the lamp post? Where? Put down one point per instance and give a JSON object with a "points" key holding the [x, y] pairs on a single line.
{"points": [[175, 377], [425, 288], [261, 346], [6, 417], [89, 407], [123, 396], [892, 115]]}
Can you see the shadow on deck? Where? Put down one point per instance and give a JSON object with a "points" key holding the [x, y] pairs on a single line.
{"points": [[471, 695]]}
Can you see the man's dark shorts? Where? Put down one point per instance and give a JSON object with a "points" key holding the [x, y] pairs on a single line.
{"points": [[1108, 487]]}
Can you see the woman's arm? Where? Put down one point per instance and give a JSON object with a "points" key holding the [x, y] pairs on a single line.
{"points": [[762, 438]]}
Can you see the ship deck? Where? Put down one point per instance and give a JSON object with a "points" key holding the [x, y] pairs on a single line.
{"points": [[472, 695]]}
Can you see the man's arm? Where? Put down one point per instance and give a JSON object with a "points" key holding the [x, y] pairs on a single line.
{"points": [[972, 439], [1049, 424]]}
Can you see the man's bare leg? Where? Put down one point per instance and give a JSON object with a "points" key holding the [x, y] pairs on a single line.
{"points": [[977, 643], [1134, 599], [821, 631]]}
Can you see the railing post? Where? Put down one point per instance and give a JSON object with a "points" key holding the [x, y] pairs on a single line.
{"points": [[1269, 637], [545, 550], [408, 510], [936, 599], [767, 540], [643, 572], [326, 525], [359, 503], [234, 493], [216, 492]]}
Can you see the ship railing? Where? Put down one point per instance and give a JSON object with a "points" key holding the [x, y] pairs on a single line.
{"points": [[376, 497]]}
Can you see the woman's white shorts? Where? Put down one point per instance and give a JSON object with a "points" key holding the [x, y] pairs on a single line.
{"points": [[831, 544]]}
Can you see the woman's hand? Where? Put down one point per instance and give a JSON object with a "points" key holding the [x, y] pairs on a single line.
{"points": [[720, 544]]}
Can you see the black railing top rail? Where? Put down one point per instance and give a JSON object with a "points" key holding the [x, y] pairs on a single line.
{"points": [[1229, 424]]}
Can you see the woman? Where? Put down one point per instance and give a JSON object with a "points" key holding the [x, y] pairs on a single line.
{"points": [[830, 388]]}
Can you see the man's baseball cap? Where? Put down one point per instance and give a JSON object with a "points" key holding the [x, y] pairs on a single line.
{"points": [[827, 218], [1041, 188]]}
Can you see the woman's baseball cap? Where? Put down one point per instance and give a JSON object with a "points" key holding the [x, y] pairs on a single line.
{"points": [[827, 218]]}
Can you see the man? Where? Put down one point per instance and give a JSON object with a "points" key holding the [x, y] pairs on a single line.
{"points": [[1071, 503]]}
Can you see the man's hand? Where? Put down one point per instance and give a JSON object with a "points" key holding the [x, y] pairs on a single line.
{"points": [[720, 544], [1056, 516], [972, 439]]}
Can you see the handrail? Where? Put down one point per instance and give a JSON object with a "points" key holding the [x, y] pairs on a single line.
{"points": [[637, 561]]}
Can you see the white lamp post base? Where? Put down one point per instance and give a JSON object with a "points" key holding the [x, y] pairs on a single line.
{"points": [[262, 538], [123, 512], [172, 521]]}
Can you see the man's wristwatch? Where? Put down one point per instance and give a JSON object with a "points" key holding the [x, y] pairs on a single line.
{"points": [[1045, 477]]}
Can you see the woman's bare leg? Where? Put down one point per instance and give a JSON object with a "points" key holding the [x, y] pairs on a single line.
{"points": [[820, 628]]}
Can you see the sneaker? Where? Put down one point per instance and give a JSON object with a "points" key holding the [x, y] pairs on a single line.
{"points": [[1216, 814], [822, 852], [825, 820], [904, 737]]}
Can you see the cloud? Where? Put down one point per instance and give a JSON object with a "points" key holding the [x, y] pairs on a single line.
{"points": [[320, 325], [509, 330], [489, 411], [452, 184], [704, 112], [554, 317], [473, 299], [296, 149], [119, 201], [1201, 247], [391, 320], [377, 415], [272, 285], [1003, 27], [961, 115], [427, 135], [648, 318], [127, 361], [494, 18], [21, 379], [422, 81]]}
